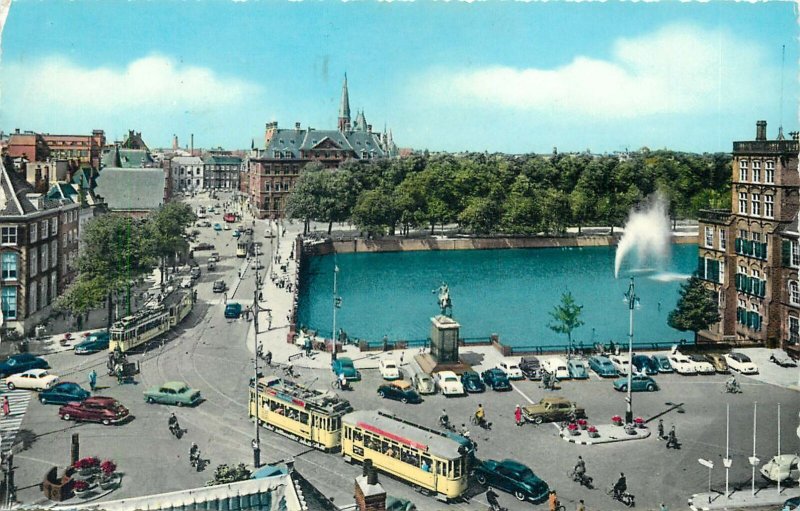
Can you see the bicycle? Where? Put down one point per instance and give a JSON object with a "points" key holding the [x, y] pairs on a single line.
{"points": [[582, 479], [624, 497]]}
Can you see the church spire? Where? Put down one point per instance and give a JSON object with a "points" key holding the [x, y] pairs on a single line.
{"points": [[344, 108]]}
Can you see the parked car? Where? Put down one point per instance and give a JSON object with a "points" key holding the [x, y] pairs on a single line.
{"points": [[203, 246], [792, 504], [423, 383], [236, 234], [219, 286], [195, 272], [701, 364], [531, 368], [226, 227], [602, 366], [577, 369], [215, 257], [496, 378], [62, 393], [718, 361], [512, 370], [33, 379], [22, 362], [217, 227], [643, 364], [233, 310], [682, 364], [550, 409], [784, 468], [389, 369], [102, 409], [97, 341], [173, 393], [556, 366], [639, 382], [662, 362], [211, 266], [741, 362], [187, 282], [620, 363], [782, 358], [472, 382], [344, 365], [513, 477], [449, 384], [399, 390]]}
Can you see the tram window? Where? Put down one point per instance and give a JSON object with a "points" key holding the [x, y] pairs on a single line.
{"points": [[441, 468], [347, 433], [427, 462], [357, 436], [459, 468], [409, 456], [302, 417], [336, 423]]}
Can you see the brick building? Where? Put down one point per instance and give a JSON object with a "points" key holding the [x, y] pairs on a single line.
{"points": [[274, 170], [221, 171], [750, 256], [80, 150]]}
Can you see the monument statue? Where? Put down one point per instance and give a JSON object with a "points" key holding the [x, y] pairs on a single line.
{"points": [[445, 304]]}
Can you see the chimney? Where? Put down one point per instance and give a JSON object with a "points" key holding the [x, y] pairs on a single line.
{"points": [[369, 494], [372, 476], [175, 142], [16, 131], [365, 467], [761, 130], [297, 126], [191, 145], [369, 128]]}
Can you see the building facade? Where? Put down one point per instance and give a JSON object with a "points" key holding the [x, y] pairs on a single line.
{"points": [[273, 171], [221, 171], [79, 150], [750, 255], [186, 173]]}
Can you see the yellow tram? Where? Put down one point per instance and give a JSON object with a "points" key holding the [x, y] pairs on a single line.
{"points": [[310, 416], [427, 459], [150, 322]]}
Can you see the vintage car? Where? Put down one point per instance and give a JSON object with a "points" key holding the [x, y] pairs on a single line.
{"points": [[173, 393], [95, 343], [551, 409], [219, 286], [399, 390], [22, 362], [217, 227], [620, 363], [512, 370], [602, 366], [718, 361], [472, 382], [102, 409], [32, 379], [741, 363], [682, 364], [782, 358], [62, 393], [556, 366], [233, 310], [701, 364], [577, 369], [388, 369], [643, 364], [639, 382], [449, 384], [662, 362], [423, 383], [531, 368], [513, 477], [203, 246], [344, 365], [496, 379], [784, 468]]}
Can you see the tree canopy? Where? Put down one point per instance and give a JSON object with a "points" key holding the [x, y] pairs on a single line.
{"points": [[697, 308], [566, 316]]}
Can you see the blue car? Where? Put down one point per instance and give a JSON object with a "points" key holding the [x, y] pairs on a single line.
{"points": [[662, 363], [472, 382], [644, 364], [577, 370], [513, 477], [233, 310], [21, 363], [496, 379], [63, 393], [639, 382], [602, 366], [95, 342], [217, 227], [344, 365]]}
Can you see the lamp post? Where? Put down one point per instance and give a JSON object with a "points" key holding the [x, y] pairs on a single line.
{"points": [[337, 302], [633, 303], [255, 444]]}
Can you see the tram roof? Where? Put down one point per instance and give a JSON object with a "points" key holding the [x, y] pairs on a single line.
{"points": [[299, 395], [413, 435], [156, 309]]}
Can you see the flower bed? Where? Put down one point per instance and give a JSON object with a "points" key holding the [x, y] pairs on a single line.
{"points": [[582, 423], [616, 420], [592, 431], [573, 429]]}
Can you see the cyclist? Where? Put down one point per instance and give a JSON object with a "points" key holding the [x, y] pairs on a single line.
{"points": [[194, 454], [444, 420], [342, 381], [620, 487], [480, 415], [580, 468], [491, 498]]}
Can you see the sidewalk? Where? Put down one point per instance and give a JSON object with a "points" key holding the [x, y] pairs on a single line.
{"points": [[743, 499]]}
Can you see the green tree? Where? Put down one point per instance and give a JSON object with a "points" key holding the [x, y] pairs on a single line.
{"points": [[566, 317], [166, 228], [340, 195], [697, 308], [304, 202], [480, 215], [374, 211]]}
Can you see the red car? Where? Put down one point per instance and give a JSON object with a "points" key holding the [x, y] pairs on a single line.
{"points": [[106, 410]]}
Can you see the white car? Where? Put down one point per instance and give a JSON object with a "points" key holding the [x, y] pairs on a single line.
{"points": [[186, 282], [782, 358], [556, 366], [449, 384], [785, 468], [702, 365], [621, 363], [682, 364], [35, 379], [740, 362], [389, 369], [512, 370]]}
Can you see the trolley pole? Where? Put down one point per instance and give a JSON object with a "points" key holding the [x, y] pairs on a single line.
{"points": [[335, 306], [256, 443]]}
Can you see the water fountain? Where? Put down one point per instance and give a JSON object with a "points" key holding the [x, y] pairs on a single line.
{"points": [[647, 231]]}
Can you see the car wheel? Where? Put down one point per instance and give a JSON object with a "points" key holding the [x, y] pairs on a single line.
{"points": [[404, 401], [106, 422], [11, 386], [481, 478], [623, 388], [650, 387], [151, 400], [538, 419], [42, 400], [180, 404], [520, 495], [382, 393], [65, 417]]}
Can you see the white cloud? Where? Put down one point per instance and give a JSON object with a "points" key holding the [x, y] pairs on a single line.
{"points": [[678, 69]]}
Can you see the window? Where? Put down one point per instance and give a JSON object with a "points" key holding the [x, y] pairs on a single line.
{"points": [[722, 239], [794, 292], [756, 204], [794, 330], [742, 170], [9, 266], [769, 171], [53, 287], [709, 237], [9, 302], [54, 225], [757, 237], [769, 206], [756, 274], [8, 235], [54, 253], [34, 236], [45, 228], [795, 256], [744, 234], [742, 203], [33, 290], [34, 261], [43, 294], [756, 171], [45, 260], [721, 272]]}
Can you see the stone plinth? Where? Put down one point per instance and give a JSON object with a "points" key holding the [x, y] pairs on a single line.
{"points": [[444, 339], [369, 497], [430, 365]]}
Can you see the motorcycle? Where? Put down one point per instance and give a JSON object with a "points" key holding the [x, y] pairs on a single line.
{"points": [[581, 478], [623, 496], [446, 424], [176, 430], [732, 387]]}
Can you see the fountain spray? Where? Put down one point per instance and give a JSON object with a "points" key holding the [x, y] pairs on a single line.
{"points": [[646, 230]]}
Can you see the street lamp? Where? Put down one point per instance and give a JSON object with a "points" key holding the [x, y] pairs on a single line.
{"points": [[337, 302], [633, 303], [255, 444]]}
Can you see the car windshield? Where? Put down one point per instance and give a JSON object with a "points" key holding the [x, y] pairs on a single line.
{"points": [[525, 474], [450, 378], [346, 364], [390, 365], [742, 358]]}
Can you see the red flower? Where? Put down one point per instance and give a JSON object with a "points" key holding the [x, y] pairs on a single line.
{"points": [[582, 422], [87, 462], [616, 418], [572, 426], [108, 467], [592, 429], [79, 485], [638, 420]]}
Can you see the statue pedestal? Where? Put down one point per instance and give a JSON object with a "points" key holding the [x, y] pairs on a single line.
{"points": [[443, 355], [430, 365]]}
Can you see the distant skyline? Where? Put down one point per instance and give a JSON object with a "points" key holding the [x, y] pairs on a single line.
{"points": [[512, 77]]}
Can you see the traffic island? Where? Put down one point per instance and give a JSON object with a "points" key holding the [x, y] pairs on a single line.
{"points": [[744, 499], [601, 433]]}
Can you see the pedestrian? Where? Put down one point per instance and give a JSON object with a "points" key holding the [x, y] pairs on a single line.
{"points": [[581, 506], [663, 507], [225, 296], [553, 500], [6, 406], [92, 379], [402, 353], [518, 415], [660, 429], [240, 273]]}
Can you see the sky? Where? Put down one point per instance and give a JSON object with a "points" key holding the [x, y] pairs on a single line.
{"points": [[513, 77]]}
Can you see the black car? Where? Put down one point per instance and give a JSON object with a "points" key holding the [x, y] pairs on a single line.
{"points": [[63, 393], [496, 379], [195, 272], [644, 364], [531, 368], [21, 363], [219, 286], [204, 246], [399, 390], [472, 382], [513, 477]]}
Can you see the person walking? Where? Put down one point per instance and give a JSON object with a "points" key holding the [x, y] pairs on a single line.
{"points": [[6, 406], [518, 415], [92, 379], [663, 507], [660, 429], [581, 506], [552, 501]]}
